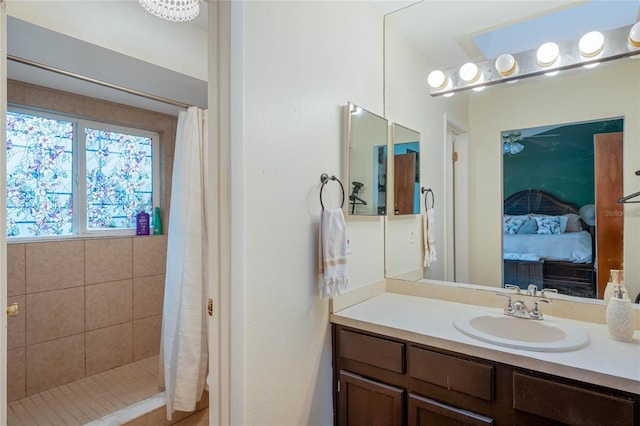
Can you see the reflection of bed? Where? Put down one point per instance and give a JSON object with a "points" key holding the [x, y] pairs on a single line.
{"points": [[563, 261]]}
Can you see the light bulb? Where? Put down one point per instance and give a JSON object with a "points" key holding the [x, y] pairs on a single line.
{"points": [[506, 65], [470, 73], [634, 36], [591, 44], [547, 54], [438, 80]]}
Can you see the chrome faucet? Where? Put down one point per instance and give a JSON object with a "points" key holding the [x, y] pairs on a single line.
{"points": [[519, 309]]}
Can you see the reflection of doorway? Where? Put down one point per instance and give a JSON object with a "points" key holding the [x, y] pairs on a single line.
{"points": [[456, 198], [609, 214]]}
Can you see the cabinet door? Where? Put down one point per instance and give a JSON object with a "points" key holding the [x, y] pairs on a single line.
{"points": [[369, 403], [427, 412]]}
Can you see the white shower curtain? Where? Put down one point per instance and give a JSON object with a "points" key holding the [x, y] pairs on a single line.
{"points": [[184, 321]]}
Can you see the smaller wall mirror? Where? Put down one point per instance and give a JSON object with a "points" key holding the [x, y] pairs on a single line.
{"points": [[367, 136], [406, 170]]}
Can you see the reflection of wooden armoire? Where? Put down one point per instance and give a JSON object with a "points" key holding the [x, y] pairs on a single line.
{"points": [[609, 214]]}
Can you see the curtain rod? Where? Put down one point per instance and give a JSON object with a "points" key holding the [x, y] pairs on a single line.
{"points": [[95, 81]]}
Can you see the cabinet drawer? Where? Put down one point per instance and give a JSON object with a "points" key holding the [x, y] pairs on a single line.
{"points": [[426, 411], [452, 373], [569, 404], [372, 351]]}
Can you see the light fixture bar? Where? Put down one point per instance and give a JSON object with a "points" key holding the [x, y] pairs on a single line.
{"points": [[616, 46]]}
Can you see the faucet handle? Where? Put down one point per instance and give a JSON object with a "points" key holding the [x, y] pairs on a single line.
{"points": [[512, 287], [508, 310], [548, 290], [535, 311]]}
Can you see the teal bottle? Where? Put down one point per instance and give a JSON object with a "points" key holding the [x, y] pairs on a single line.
{"points": [[157, 222]]}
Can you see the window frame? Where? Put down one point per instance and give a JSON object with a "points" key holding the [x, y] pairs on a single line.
{"points": [[79, 181]]}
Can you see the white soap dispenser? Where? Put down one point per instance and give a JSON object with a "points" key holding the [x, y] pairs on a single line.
{"points": [[620, 321], [616, 277]]}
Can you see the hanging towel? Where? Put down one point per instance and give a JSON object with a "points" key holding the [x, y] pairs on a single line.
{"points": [[333, 253], [429, 240]]}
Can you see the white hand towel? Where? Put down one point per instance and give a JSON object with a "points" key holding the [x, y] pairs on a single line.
{"points": [[333, 253], [429, 240]]}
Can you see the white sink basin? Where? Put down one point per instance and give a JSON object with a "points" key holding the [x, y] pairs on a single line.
{"points": [[532, 335]]}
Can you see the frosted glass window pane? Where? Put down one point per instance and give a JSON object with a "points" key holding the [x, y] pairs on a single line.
{"points": [[119, 178], [39, 176]]}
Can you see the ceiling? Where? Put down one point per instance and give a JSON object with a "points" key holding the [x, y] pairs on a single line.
{"points": [[52, 48], [484, 27]]}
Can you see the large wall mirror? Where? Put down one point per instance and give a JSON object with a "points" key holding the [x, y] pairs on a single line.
{"points": [[543, 114], [367, 136], [406, 170]]}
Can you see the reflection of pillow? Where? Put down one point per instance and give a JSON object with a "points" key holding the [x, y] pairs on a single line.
{"points": [[548, 224], [511, 224], [529, 226], [588, 214], [564, 220], [573, 223]]}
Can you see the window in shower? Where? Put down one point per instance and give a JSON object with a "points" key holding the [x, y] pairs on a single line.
{"points": [[73, 177]]}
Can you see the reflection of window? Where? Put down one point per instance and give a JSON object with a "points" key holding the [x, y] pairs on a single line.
{"points": [[74, 177]]}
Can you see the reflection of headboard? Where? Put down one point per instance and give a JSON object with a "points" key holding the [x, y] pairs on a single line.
{"points": [[536, 201]]}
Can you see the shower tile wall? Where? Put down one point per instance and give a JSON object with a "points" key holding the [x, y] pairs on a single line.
{"points": [[86, 306]]}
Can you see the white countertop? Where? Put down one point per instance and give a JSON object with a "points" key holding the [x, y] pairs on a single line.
{"points": [[604, 361]]}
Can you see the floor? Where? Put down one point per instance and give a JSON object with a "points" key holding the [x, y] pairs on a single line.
{"points": [[88, 399], [201, 418]]}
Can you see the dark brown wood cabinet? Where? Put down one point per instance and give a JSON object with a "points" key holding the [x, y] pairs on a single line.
{"points": [[366, 402], [386, 381]]}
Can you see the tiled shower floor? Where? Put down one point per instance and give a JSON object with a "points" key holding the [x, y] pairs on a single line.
{"points": [[89, 398]]}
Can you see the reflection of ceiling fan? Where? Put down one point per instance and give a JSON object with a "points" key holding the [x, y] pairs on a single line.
{"points": [[511, 142]]}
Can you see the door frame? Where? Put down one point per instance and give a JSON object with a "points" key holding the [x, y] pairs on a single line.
{"points": [[456, 261], [3, 212]]}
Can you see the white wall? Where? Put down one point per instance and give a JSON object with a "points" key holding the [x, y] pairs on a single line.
{"points": [[302, 62], [407, 102], [583, 95]]}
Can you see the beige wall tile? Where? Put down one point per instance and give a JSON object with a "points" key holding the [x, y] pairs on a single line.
{"points": [[54, 100], [149, 255], [54, 314], [16, 325], [108, 259], [109, 347], [16, 374], [55, 363], [146, 337], [16, 269], [108, 304], [148, 296], [54, 265]]}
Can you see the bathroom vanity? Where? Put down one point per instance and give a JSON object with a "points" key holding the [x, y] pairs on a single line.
{"points": [[399, 360]]}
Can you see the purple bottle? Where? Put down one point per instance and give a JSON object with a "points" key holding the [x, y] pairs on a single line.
{"points": [[142, 223]]}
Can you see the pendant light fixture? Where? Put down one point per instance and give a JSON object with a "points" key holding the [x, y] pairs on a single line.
{"points": [[172, 10]]}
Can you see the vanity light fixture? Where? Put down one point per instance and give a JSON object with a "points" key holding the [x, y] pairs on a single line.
{"points": [[548, 59], [172, 10]]}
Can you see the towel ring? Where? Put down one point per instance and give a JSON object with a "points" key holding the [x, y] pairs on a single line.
{"points": [[324, 178], [428, 191]]}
